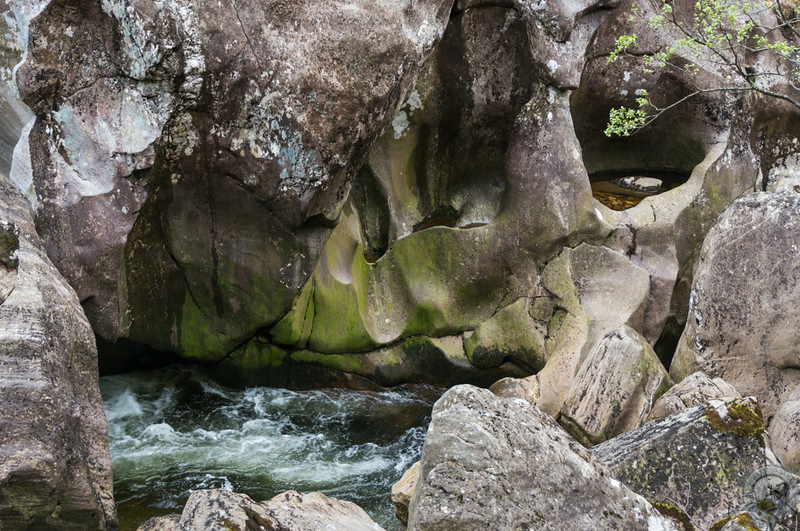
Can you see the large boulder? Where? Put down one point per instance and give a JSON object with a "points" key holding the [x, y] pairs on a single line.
{"points": [[496, 463], [223, 510], [55, 471], [614, 389], [338, 193], [206, 158], [696, 461], [741, 321]]}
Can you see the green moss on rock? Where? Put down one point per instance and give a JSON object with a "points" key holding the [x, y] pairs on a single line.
{"points": [[744, 520], [739, 417], [674, 513]]}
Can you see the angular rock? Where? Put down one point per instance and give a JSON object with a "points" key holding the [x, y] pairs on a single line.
{"points": [[696, 460], [739, 329], [614, 389], [495, 463], [694, 390], [223, 510], [55, 470], [160, 523], [403, 491]]}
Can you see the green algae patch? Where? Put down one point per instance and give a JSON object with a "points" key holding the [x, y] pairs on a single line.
{"points": [[744, 520], [340, 362], [674, 513], [739, 417], [295, 327]]}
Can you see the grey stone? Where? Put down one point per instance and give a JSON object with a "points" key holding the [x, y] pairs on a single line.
{"points": [[496, 463], [222, 510], [55, 471], [784, 430], [744, 296], [694, 390], [697, 460], [614, 389]]}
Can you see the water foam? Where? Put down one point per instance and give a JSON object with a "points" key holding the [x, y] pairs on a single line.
{"points": [[176, 431]]}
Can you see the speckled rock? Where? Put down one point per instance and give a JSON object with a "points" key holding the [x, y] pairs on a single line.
{"points": [[785, 432], [697, 460], [222, 510], [740, 329], [55, 471], [496, 463], [694, 390], [614, 389]]}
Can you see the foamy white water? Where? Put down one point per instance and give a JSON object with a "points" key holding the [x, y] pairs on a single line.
{"points": [[174, 431]]}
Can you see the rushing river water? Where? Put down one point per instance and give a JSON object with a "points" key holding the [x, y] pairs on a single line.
{"points": [[175, 431]]}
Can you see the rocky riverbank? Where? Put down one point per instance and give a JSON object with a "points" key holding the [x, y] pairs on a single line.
{"points": [[367, 193]]}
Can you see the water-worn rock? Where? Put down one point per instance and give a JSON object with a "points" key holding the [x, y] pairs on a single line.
{"points": [[259, 128], [403, 490], [223, 510], [496, 463], [740, 329], [527, 389], [694, 390], [614, 389], [55, 470], [784, 431], [697, 460]]}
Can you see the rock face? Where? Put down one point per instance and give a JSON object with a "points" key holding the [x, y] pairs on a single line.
{"points": [[495, 463], [696, 460], [351, 192], [739, 329], [55, 471], [222, 510]]}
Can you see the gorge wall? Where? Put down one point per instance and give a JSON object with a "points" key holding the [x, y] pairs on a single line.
{"points": [[366, 193]]}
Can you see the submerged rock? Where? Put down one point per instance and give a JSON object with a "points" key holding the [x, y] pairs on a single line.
{"points": [[55, 471], [495, 463], [223, 510], [697, 460]]}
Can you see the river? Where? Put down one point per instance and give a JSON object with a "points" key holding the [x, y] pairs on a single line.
{"points": [[174, 431]]}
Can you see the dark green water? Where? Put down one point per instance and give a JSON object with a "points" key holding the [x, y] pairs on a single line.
{"points": [[176, 431]]}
